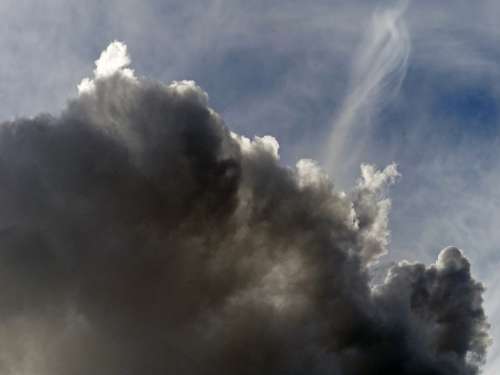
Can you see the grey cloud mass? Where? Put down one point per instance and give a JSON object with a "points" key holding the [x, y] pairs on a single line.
{"points": [[139, 235]]}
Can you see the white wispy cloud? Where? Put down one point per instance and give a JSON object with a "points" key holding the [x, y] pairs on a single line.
{"points": [[378, 70]]}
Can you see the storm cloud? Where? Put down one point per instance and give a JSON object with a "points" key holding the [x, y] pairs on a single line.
{"points": [[139, 235]]}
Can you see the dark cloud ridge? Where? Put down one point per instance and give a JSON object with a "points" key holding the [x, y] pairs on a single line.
{"points": [[139, 235]]}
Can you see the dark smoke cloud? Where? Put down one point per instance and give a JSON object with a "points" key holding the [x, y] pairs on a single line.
{"points": [[138, 235]]}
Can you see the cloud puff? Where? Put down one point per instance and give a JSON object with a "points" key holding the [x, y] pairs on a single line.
{"points": [[139, 235], [113, 60]]}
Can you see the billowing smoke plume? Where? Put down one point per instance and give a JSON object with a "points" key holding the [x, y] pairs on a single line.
{"points": [[138, 235]]}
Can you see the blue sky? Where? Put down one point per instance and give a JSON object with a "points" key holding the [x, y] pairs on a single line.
{"points": [[285, 68]]}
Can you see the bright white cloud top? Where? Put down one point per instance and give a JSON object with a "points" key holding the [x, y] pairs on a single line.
{"points": [[113, 60]]}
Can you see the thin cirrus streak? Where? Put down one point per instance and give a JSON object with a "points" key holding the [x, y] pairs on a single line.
{"points": [[378, 71]]}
